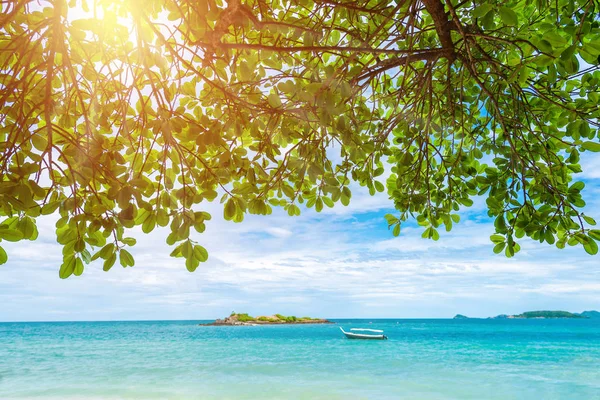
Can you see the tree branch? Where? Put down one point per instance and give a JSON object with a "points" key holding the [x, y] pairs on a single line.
{"points": [[443, 26]]}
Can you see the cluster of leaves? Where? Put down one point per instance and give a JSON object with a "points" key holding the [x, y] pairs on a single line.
{"points": [[122, 113]]}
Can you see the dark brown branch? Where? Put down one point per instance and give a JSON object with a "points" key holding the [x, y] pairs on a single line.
{"points": [[443, 26], [294, 49], [424, 55]]}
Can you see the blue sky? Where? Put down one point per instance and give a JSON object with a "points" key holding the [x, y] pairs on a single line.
{"points": [[340, 263]]}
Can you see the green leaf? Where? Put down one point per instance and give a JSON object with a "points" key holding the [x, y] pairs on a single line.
{"points": [[79, 245], [230, 209], [109, 262], [466, 202], [592, 47], [345, 200], [27, 227], [319, 205], [86, 256], [67, 267], [149, 224], [571, 65], [162, 218], [589, 220], [177, 251], [3, 256], [555, 39], [508, 16], [497, 238], [499, 247], [500, 224], [274, 100], [126, 259], [129, 241], [591, 247], [591, 146], [12, 235], [426, 233], [509, 251], [142, 215], [78, 270], [245, 72], [106, 251], [191, 264], [396, 230], [577, 187], [200, 253], [391, 219], [482, 10], [187, 249]]}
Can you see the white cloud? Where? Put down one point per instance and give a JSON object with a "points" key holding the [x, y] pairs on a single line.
{"points": [[590, 164], [278, 232]]}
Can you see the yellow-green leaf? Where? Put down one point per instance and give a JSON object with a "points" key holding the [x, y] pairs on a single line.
{"points": [[591, 146], [78, 270], [126, 259], [12, 235], [200, 253]]}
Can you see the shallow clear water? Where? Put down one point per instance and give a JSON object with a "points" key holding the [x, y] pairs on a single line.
{"points": [[423, 359]]}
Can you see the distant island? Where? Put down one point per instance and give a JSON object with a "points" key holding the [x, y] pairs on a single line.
{"points": [[460, 316], [236, 319], [591, 314], [543, 315]]}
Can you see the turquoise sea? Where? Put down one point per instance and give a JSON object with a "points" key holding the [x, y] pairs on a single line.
{"points": [[423, 359]]}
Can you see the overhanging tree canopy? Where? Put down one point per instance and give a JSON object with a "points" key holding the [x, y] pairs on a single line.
{"points": [[120, 113]]}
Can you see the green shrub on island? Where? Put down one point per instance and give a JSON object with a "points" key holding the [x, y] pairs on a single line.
{"points": [[288, 319], [245, 318]]}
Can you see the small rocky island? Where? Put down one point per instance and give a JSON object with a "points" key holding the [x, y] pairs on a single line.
{"points": [[460, 316], [543, 315], [236, 319]]}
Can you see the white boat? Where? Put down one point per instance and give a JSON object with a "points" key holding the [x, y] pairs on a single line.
{"points": [[351, 335]]}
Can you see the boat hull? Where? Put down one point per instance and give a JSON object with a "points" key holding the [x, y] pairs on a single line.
{"points": [[350, 335], [365, 337]]}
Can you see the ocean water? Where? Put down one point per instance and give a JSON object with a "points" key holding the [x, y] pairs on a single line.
{"points": [[423, 359]]}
